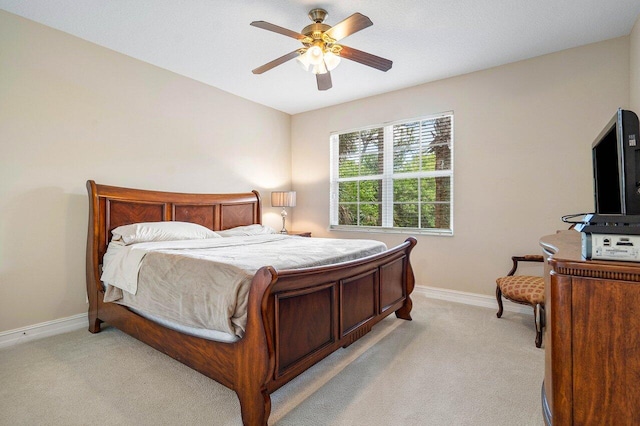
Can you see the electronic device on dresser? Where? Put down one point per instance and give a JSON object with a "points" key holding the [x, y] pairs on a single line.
{"points": [[613, 231], [616, 166]]}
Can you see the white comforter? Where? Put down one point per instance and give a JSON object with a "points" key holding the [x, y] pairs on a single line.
{"points": [[205, 283]]}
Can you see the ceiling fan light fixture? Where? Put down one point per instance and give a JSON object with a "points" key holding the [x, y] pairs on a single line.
{"points": [[310, 57], [317, 61], [331, 60], [303, 60], [315, 55], [320, 68]]}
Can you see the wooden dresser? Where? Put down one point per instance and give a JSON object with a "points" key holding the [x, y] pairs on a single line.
{"points": [[591, 338]]}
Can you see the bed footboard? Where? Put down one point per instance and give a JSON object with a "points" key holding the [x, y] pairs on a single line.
{"points": [[301, 316], [312, 312]]}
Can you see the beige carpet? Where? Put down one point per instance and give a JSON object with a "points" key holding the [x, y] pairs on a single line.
{"points": [[453, 364]]}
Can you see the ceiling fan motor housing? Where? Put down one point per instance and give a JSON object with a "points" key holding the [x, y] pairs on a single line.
{"points": [[318, 15], [315, 31]]}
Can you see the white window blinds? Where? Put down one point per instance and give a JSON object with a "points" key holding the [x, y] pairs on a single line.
{"points": [[397, 176]]}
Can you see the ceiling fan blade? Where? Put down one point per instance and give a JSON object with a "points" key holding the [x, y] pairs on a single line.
{"points": [[365, 58], [276, 29], [276, 62], [324, 81], [352, 24]]}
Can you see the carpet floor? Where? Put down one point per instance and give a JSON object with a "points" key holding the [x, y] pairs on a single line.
{"points": [[453, 364]]}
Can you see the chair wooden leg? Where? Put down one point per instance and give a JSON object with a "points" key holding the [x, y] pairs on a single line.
{"points": [[538, 339], [538, 312], [499, 299]]}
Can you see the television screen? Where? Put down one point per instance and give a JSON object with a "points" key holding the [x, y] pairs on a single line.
{"points": [[616, 166], [607, 174]]}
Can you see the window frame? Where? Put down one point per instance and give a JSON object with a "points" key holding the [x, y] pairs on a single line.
{"points": [[387, 177]]}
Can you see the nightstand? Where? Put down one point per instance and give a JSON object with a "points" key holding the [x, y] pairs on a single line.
{"points": [[300, 233]]}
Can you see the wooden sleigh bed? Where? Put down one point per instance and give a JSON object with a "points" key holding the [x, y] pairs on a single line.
{"points": [[295, 318]]}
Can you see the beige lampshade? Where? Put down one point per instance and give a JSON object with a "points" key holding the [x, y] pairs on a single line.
{"points": [[283, 199]]}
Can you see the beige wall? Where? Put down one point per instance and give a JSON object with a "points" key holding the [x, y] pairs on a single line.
{"points": [[634, 54], [523, 133], [72, 111]]}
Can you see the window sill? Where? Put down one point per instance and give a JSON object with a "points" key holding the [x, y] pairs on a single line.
{"points": [[377, 230]]}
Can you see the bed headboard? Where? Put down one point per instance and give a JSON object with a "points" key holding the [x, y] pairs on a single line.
{"points": [[111, 206]]}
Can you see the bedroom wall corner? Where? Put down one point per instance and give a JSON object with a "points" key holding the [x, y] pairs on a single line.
{"points": [[73, 111]]}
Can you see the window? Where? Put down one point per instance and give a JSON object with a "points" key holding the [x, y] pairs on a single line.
{"points": [[394, 177]]}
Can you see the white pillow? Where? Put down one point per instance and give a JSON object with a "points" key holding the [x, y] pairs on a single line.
{"points": [[248, 230], [161, 231]]}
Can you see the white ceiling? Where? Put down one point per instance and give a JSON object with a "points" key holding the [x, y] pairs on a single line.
{"points": [[211, 40]]}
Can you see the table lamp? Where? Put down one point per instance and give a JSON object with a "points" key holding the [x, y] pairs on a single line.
{"points": [[283, 199]]}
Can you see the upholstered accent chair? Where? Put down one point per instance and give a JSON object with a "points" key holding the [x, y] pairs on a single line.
{"points": [[525, 290]]}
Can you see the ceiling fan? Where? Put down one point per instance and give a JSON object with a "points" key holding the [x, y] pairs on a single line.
{"points": [[321, 52]]}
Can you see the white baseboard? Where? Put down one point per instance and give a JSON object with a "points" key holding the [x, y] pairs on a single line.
{"points": [[76, 322], [44, 329], [472, 299]]}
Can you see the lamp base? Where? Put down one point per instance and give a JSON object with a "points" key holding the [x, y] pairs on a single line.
{"points": [[283, 213]]}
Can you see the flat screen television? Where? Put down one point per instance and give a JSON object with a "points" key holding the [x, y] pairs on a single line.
{"points": [[616, 166]]}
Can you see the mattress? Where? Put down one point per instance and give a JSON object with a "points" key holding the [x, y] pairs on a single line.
{"points": [[203, 285]]}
